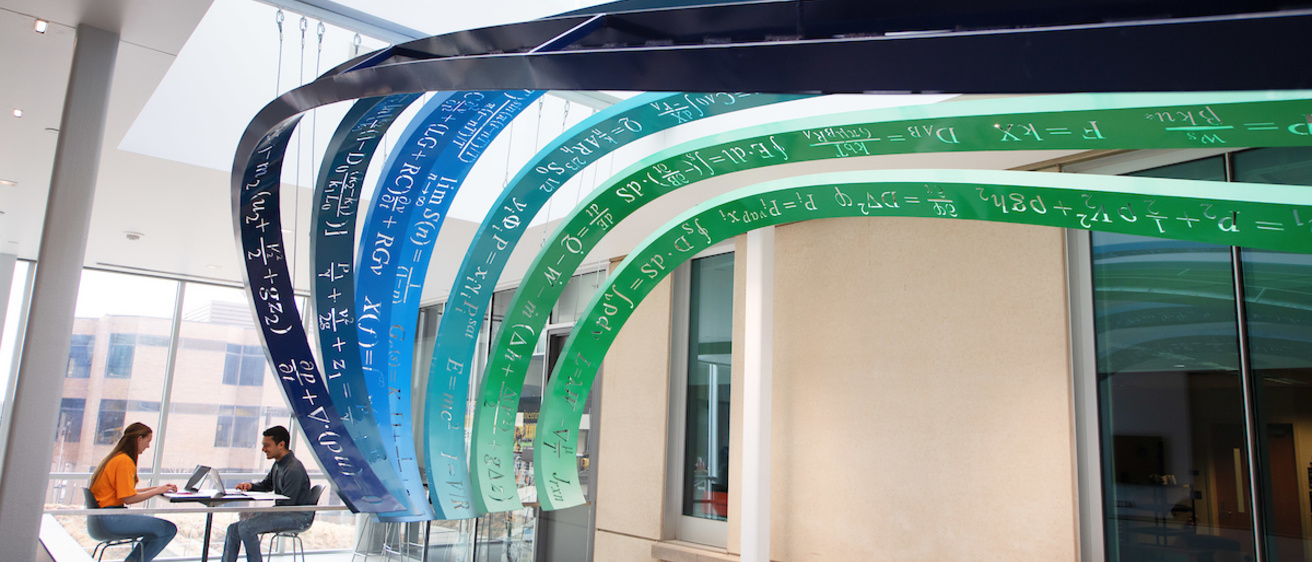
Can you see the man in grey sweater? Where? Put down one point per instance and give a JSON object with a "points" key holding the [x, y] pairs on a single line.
{"points": [[288, 478]]}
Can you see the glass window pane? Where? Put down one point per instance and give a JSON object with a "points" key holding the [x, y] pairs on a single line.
{"points": [[1289, 165], [1171, 401], [79, 356], [69, 429], [117, 365], [577, 294], [1278, 300], [1279, 312], [10, 339], [1206, 169], [224, 394], [710, 348], [122, 350]]}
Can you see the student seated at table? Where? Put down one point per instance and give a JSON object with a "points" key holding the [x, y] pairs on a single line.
{"points": [[115, 485], [288, 478]]}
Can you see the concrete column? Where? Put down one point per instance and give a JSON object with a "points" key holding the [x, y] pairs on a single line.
{"points": [[40, 383], [758, 370]]}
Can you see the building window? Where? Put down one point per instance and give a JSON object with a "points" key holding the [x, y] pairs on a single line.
{"points": [[79, 356], [122, 347], [700, 380], [1172, 398], [238, 426], [109, 424], [243, 365], [69, 429]]}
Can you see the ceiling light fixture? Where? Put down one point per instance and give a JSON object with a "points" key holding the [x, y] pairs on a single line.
{"points": [[133, 236], [18, 112], [10, 183], [41, 25]]}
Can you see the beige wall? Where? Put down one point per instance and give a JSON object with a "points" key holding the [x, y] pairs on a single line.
{"points": [[921, 398], [631, 469], [921, 394]]}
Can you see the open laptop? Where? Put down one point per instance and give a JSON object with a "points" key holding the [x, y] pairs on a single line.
{"points": [[194, 488]]}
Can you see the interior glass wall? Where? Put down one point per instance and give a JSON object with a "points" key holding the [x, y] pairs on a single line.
{"points": [[1171, 396]]}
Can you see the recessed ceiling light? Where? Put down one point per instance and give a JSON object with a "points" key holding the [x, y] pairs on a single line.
{"points": [[10, 183], [132, 236], [40, 26], [18, 112], [52, 130]]}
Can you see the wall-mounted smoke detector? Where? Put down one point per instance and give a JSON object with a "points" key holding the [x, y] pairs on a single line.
{"points": [[133, 236]]}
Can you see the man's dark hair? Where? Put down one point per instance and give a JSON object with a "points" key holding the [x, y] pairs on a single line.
{"points": [[279, 435]]}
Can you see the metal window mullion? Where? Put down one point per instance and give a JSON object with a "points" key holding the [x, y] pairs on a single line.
{"points": [[1252, 417], [166, 400]]}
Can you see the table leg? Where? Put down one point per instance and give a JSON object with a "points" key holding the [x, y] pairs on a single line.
{"points": [[428, 531], [205, 544]]}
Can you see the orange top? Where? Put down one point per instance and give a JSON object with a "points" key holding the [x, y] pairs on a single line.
{"points": [[117, 481]]}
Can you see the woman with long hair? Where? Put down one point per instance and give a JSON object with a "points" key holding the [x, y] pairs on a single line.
{"points": [[115, 485]]}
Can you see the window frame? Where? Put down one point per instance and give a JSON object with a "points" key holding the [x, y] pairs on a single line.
{"points": [[678, 526]]}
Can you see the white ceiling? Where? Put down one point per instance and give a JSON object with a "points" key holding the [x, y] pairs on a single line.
{"points": [[179, 101]]}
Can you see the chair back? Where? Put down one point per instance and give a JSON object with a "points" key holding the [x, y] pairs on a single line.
{"points": [[315, 493], [94, 526]]}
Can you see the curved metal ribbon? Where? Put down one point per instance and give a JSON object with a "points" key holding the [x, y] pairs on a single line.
{"points": [[446, 175], [490, 249], [257, 222], [415, 189], [1238, 214], [337, 193], [1069, 122]]}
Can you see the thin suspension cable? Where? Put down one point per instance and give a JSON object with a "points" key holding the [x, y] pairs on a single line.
{"points": [[314, 114], [537, 132], [510, 144], [277, 78], [564, 122], [300, 155]]}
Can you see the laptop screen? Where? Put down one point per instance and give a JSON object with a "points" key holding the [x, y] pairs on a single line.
{"points": [[197, 476], [216, 480]]}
